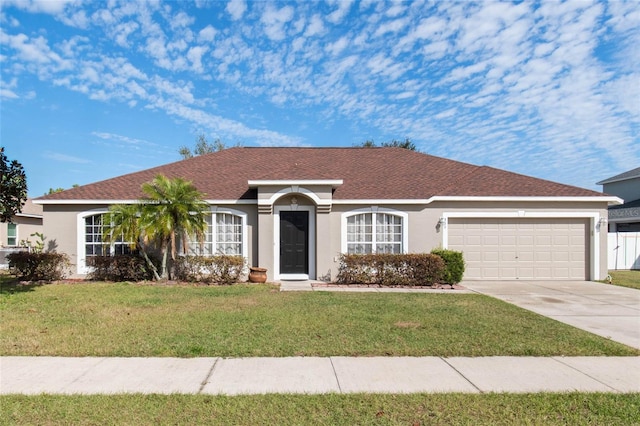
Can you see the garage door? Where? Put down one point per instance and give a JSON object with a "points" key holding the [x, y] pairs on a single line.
{"points": [[524, 249]]}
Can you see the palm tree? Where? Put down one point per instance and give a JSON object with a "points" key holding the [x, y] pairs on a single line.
{"points": [[173, 210], [123, 221]]}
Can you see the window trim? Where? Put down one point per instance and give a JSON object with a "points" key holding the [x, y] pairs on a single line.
{"points": [[404, 222], [82, 266]]}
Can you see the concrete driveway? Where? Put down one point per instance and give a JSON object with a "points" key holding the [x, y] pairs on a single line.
{"points": [[606, 310]]}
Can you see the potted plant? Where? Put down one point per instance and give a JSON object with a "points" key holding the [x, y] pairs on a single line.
{"points": [[257, 275]]}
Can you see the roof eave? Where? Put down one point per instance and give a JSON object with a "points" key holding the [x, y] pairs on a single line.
{"points": [[610, 200], [614, 180]]}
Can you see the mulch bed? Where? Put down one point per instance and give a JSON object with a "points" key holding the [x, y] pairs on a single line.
{"points": [[422, 287]]}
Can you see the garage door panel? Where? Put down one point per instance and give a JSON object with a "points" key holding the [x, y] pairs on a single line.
{"points": [[522, 248]]}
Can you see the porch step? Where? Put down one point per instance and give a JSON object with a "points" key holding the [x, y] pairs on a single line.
{"points": [[296, 286]]}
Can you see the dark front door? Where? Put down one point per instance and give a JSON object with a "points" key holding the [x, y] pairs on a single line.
{"points": [[294, 242]]}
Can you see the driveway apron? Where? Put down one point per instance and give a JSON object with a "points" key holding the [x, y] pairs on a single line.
{"points": [[606, 310]]}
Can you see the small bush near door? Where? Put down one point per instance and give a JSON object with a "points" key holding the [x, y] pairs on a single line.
{"points": [[454, 265], [421, 269]]}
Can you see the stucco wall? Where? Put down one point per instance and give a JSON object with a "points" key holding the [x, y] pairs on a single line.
{"points": [[628, 190], [424, 231], [60, 227], [25, 227]]}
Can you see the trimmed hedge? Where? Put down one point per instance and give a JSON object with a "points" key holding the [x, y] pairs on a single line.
{"points": [[220, 269], [38, 266], [122, 267], [391, 269], [454, 265]]}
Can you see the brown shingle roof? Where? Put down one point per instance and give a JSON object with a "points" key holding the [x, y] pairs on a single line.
{"points": [[367, 173]]}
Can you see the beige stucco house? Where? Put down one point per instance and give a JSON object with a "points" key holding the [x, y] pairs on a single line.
{"points": [[295, 210], [22, 226], [624, 217]]}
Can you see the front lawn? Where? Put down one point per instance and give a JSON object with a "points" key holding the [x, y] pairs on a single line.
{"points": [[134, 320], [331, 409], [626, 278]]}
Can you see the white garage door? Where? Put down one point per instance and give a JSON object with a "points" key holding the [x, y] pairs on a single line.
{"points": [[524, 249]]}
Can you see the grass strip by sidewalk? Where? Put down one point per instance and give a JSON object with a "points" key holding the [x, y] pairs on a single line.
{"points": [[330, 409], [132, 320]]}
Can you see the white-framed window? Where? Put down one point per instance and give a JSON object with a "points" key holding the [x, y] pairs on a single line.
{"points": [[374, 231], [12, 234], [95, 246], [225, 234]]}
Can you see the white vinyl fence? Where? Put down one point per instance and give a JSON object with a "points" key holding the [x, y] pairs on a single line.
{"points": [[624, 250]]}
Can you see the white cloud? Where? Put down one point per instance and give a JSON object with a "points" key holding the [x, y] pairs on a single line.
{"points": [[65, 158], [476, 81], [337, 47], [208, 33], [392, 26], [338, 14], [7, 93], [181, 20], [45, 6], [315, 26], [274, 21], [123, 139], [195, 56], [236, 9]]}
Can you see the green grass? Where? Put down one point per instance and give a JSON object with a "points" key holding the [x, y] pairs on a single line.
{"points": [[331, 409], [629, 279], [100, 319]]}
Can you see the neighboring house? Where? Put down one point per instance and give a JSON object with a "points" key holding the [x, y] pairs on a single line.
{"points": [[23, 225], [624, 217], [295, 210]]}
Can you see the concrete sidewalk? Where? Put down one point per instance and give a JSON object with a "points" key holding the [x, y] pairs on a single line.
{"points": [[313, 375]]}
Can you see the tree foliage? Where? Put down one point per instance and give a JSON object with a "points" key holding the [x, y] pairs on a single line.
{"points": [[171, 211], [202, 147], [406, 144], [59, 189], [13, 187]]}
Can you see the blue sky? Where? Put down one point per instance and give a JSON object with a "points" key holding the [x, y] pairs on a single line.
{"points": [[94, 90]]}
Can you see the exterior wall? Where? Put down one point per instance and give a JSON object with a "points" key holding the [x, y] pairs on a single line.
{"points": [[628, 190], [60, 226], [424, 227], [25, 227], [61, 223]]}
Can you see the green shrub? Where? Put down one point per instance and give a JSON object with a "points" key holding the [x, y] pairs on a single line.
{"points": [[220, 269], [390, 269], [38, 266], [454, 265], [122, 267]]}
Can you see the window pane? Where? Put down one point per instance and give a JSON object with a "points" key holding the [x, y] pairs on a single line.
{"points": [[228, 234], [388, 233], [359, 233], [12, 234]]}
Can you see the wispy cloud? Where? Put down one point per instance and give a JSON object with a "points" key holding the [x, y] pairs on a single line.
{"points": [[554, 86], [65, 158]]}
